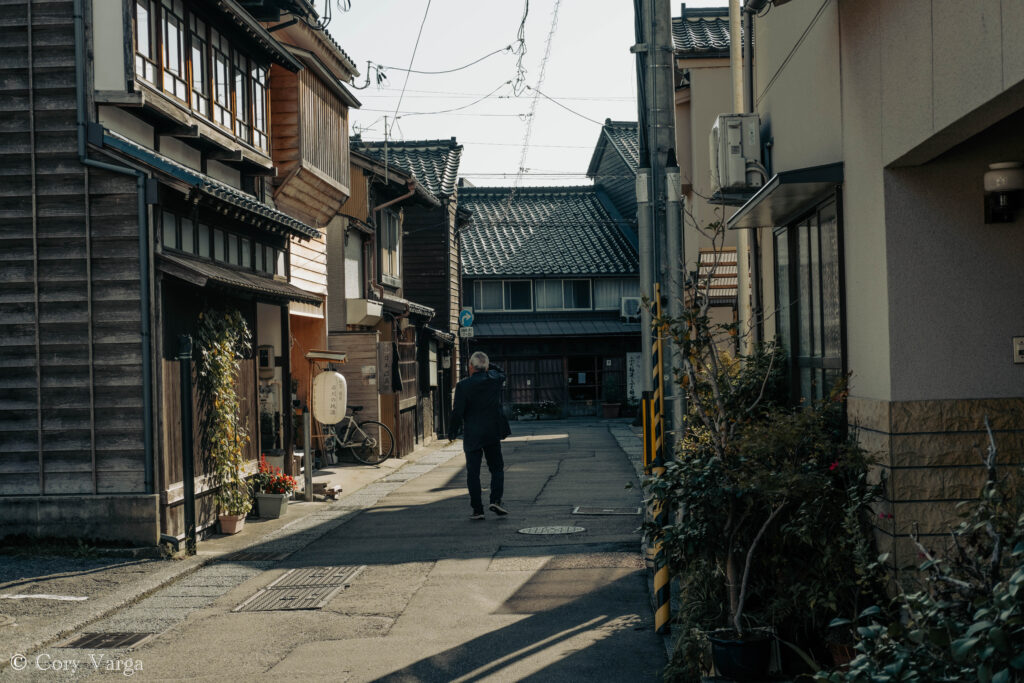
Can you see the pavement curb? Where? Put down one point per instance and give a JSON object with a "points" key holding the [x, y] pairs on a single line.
{"points": [[164, 576]]}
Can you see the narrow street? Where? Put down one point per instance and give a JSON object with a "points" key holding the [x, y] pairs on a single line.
{"points": [[438, 597]]}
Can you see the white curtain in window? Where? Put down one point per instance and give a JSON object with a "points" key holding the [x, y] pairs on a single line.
{"points": [[607, 292], [549, 294], [489, 295], [630, 287]]}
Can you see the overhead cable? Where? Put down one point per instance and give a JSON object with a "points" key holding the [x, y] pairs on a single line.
{"points": [[412, 58], [507, 48], [571, 111]]}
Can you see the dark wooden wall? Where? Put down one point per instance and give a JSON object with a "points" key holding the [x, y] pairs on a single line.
{"points": [[170, 471], [70, 341]]}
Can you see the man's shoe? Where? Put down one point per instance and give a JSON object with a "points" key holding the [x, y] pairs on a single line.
{"points": [[477, 516], [498, 510]]}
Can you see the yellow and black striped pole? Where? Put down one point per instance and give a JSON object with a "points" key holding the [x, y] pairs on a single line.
{"points": [[662, 580]]}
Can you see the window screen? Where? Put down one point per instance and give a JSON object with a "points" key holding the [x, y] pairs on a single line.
{"points": [[517, 295]]}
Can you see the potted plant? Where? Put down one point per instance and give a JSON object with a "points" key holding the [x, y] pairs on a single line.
{"points": [[223, 340], [524, 411], [611, 396], [772, 503], [273, 488]]}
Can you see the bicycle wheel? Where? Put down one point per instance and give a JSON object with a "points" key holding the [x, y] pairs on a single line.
{"points": [[376, 445]]}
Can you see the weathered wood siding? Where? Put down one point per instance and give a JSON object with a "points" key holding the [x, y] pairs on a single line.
{"points": [[171, 467], [358, 205], [360, 370], [70, 341], [324, 124]]}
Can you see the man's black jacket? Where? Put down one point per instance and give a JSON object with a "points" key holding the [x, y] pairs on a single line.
{"points": [[478, 407]]}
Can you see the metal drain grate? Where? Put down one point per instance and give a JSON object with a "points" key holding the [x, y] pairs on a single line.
{"points": [[288, 598], [253, 556], [107, 641], [301, 588], [552, 530], [592, 510]]}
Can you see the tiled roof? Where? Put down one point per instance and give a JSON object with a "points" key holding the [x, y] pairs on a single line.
{"points": [[624, 137], [543, 231], [205, 274], [701, 32], [209, 186], [435, 163], [554, 328]]}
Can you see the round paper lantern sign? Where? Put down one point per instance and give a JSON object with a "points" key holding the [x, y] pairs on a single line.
{"points": [[330, 397]]}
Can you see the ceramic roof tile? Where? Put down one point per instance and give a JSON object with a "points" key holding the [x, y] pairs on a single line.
{"points": [[701, 32], [542, 231], [435, 163], [624, 137]]}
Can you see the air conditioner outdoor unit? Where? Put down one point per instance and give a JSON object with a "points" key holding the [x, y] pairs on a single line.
{"points": [[736, 152], [629, 307]]}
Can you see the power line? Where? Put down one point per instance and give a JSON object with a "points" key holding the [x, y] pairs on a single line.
{"points": [[507, 48], [446, 111], [533, 104], [415, 47], [571, 111]]}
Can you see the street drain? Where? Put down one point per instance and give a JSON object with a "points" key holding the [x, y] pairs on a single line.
{"points": [[551, 530], [584, 510], [107, 641], [301, 588]]}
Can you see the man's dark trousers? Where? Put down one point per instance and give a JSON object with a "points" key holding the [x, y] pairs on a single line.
{"points": [[495, 463]]}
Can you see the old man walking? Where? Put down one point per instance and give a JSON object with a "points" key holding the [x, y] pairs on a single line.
{"points": [[478, 407]]}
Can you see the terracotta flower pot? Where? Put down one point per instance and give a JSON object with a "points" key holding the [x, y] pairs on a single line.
{"points": [[231, 524]]}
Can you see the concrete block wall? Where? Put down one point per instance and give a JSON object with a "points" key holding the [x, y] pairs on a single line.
{"points": [[930, 455]]}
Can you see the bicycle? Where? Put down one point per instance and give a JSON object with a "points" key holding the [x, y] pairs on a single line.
{"points": [[369, 442]]}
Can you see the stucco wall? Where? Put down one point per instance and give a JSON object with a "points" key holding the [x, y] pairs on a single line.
{"points": [[797, 84], [864, 228], [710, 95], [955, 282], [967, 88]]}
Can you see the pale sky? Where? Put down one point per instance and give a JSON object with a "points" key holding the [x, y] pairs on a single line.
{"points": [[590, 70]]}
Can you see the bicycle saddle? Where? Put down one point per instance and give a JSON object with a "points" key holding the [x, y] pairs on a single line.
{"points": [[355, 409]]}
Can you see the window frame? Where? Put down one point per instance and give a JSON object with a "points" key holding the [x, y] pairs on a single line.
{"points": [[805, 323], [389, 247], [505, 295], [564, 283], [238, 103]]}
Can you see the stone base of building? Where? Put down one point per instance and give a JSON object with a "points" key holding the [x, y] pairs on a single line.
{"points": [[128, 519], [931, 456]]}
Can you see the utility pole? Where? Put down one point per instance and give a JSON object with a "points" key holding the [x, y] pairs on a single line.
{"points": [[660, 239]]}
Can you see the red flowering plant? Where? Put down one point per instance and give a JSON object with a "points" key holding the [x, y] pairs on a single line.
{"points": [[269, 479]]}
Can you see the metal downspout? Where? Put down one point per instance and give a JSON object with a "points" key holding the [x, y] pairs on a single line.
{"points": [[143, 218], [757, 329]]}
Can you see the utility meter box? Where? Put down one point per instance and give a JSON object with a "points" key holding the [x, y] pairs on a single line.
{"points": [[735, 143]]}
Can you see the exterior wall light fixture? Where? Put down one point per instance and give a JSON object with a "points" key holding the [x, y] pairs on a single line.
{"points": [[1004, 182]]}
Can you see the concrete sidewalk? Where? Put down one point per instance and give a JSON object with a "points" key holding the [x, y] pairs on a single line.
{"points": [[109, 581]]}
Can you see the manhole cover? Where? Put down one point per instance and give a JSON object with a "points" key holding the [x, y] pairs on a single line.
{"points": [[317, 576], [552, 530], [289, 598], [107, 641], [301, 588], [592, 510]]}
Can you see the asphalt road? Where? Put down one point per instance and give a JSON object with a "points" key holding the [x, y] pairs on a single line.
{"points": [[435, 596]]}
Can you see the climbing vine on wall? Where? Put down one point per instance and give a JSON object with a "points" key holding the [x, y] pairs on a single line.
{"points": [[223, 340]]}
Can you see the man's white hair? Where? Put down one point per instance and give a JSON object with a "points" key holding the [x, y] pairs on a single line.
{"points": [[479, 360]]}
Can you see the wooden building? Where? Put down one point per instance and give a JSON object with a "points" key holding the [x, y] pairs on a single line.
{"points": [[431, 266], [138, 156], [370, 317], [309, 127], [546, 271]]}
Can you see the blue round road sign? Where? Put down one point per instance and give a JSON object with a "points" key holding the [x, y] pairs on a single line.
{"points": [[466, 317]]}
